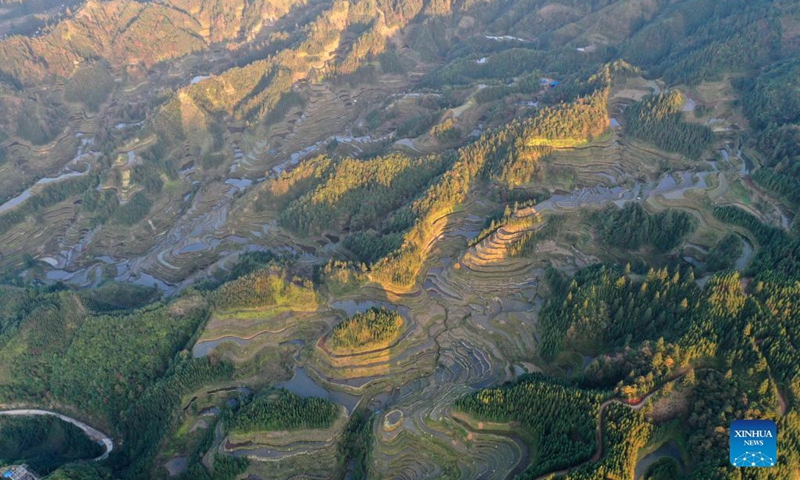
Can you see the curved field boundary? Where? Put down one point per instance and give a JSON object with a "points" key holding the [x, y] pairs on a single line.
{"points": [[409, 326], [90, 432], [598, 454]]}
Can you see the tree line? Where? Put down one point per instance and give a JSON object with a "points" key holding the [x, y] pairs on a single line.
{"points": [[44, 443], [558, 419], [658, 119], [632, 227], [281, 409], [266, 287], [372, 328]]}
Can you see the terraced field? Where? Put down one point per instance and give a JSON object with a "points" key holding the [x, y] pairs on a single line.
{"points": [[472, 168], [473, 321]]}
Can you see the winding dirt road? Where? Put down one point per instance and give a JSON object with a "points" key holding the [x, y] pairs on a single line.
{"points": [[598, 454], [92, 433]]}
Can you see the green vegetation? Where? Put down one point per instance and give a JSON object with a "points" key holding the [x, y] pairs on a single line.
{"points": [[227, 467], [785, 185], [720, 325], [772, 104], [568, 125], [658, 119], [625, 432], [124, 369], [115, 296], [664, 468], [369, 247], [527, 85], [104, 206], [772, 98], [446, 131], [43, 442], [779, 251], [631, 227], [155, 412], [562, 126], [267, 287], [374, 328], [608, 284], [291, 185], [605, 307], [525, 245], [557, 420], [540, 79], [505, 64], [341, 277], [282, 410], [508, 219], [390, 62], [251, 262], [15, 305], [724, 254], [40, 122], [697, 40], [90, 85], [65, 350], [51, 194], [80, 471], [286, 102], [494, 152], [359, 194], [353, 450], [133, 211]]}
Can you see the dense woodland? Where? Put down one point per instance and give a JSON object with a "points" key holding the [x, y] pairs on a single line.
{"points": [[353, 451], [118, 296], [568, 125], [664, 325], [358, 195], [63, 349], [625, 432], [780, 250], [725, 341], [267, 287], [45, 443], [632, 227], [282, 410], [724, 254], [771, 102], [40, 122], [658, 119], [493, 155], [155, 413], [90, 85], [372, 329], [65, 355], [560, 420]]}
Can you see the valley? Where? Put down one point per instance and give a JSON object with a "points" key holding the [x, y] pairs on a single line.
{"points": [[517, 239]]}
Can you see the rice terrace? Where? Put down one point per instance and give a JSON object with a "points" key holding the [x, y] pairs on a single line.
{"points": [[424, 239]]}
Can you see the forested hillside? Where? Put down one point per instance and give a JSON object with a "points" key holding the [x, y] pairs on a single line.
{"points": [[44, 443], [418, 239], [658, 119], [370, 330]]}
